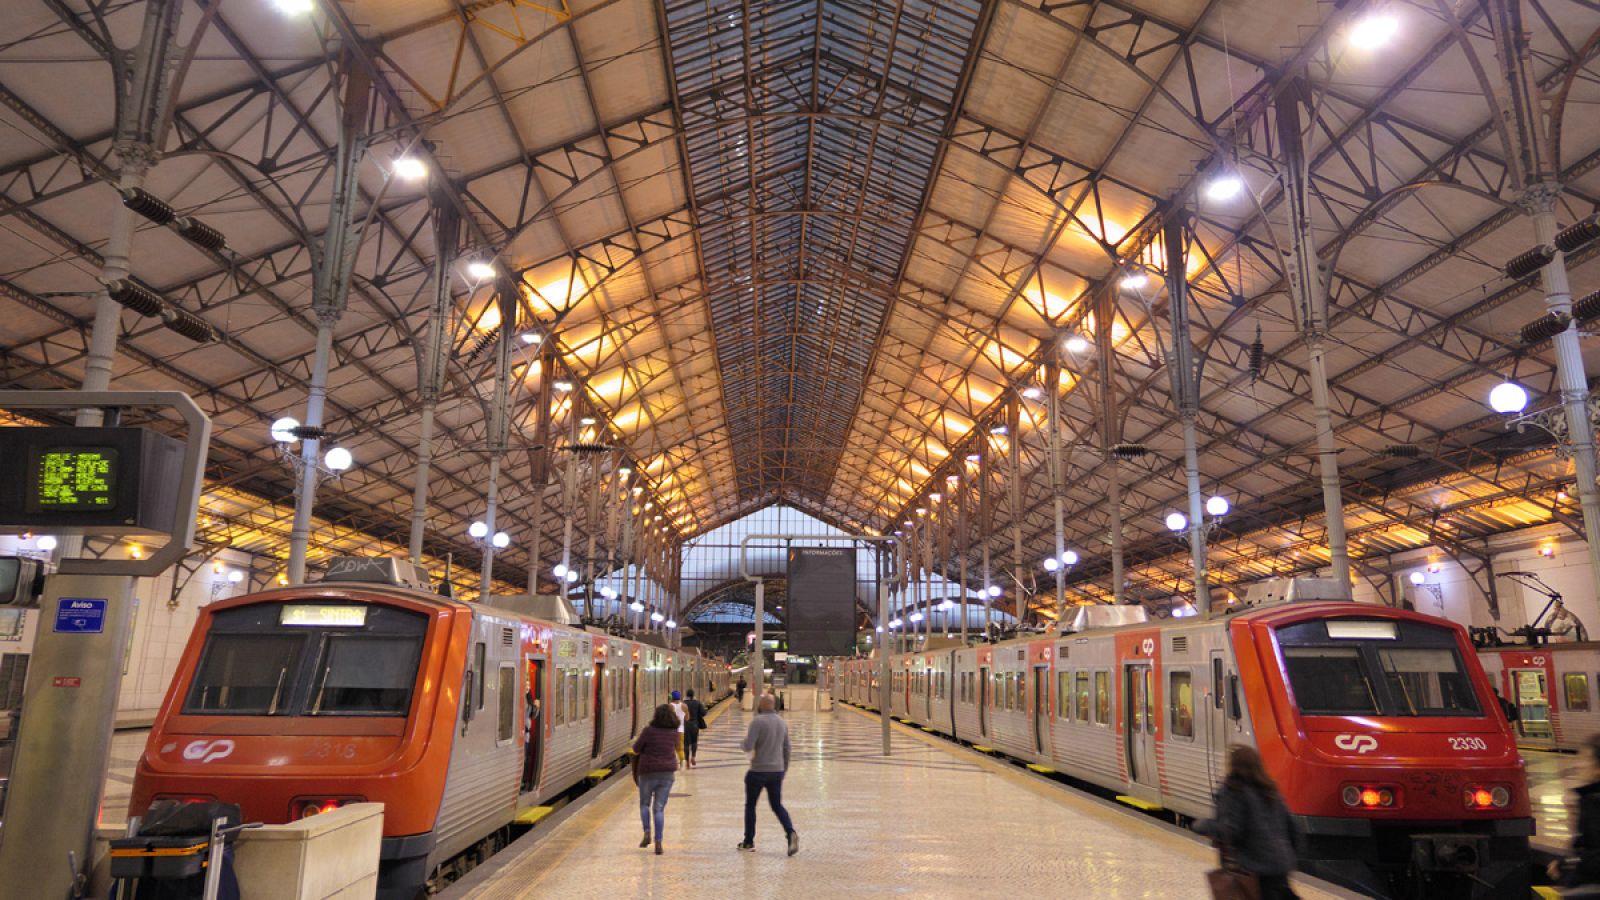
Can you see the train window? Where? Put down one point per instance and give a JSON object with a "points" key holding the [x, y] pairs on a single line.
{"points": [[1102, 698], [244, 674], [1429, 681], [367, 675], [1330, 681], [1064, 695], [1181, 700], [1577, 691], [478, 652], [508, 703], [1083, 696], [557, 707], [1216, 682], [1234, 710]]}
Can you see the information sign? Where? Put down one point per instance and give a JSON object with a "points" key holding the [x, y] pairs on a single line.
{"points": [[81, 615], [73, 478]]}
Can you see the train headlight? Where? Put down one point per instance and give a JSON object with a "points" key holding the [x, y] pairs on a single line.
{"points": [[1487, 797], [1351, 795], [307, 807]]}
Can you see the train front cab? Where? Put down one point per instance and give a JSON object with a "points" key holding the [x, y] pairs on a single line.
{"points": [[1395, 759], [299, 700]]}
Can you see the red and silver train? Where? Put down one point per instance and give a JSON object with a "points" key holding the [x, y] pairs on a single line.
{"points": [[456, 716], [1379, 725], [1553, 689]]}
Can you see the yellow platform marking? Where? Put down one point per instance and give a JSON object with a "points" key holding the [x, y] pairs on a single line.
{"points": [[1136, 803], [929, 729], [533, 815], [982, 749], [1544, 892], [598, 774], [1042, 770]]}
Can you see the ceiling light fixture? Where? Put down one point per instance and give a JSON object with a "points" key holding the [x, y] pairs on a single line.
{"points": [[409, 168], [1508, 397], [1224, 187], [1076, 344], [1134, 280], [480, 270], [1373, 31]]}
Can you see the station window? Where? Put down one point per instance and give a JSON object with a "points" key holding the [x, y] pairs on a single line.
{"points": [[1576, 686], [1102, 697], [1181, 701], [1083, 696]]}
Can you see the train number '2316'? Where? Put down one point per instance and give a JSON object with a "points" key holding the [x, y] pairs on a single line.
{"points": [[1468, 743]]}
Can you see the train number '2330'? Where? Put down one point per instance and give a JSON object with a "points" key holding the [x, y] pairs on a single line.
{"points": [[1468, 743]]}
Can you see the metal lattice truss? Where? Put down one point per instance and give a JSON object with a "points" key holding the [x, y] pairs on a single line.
{"points": [[813, 252]]}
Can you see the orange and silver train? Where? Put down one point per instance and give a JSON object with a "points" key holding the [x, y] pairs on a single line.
{"points": [[1380, 726], [456, 716]]}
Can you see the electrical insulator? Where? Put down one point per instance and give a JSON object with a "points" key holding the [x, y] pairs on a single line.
{"points": [[1530, 263], [1544, 328], [1258, 356], [1578, 234], [1403, 451], [484, 342], [309, 432], [200, 234], [1128, 451], [148, 205], [1587, 307], [189, 325], [136, 297]]}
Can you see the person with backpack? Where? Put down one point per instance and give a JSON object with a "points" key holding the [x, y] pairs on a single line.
{"points": [[1252, 828], [692, 723], [655, 764]]}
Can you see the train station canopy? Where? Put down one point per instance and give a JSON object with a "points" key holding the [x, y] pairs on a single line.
{"points": [[826, 255]]}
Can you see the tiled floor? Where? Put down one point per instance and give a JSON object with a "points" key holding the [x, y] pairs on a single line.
{"points": [[927, 822], [125, 749], [1551, 777]]}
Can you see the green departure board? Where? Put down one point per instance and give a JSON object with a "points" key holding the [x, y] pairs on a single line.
{"points": [[74, 478]]}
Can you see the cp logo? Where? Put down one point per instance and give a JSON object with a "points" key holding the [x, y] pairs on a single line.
{"points": [[1360, 743], [1538, 660], [1148, 648], [207, 751]]}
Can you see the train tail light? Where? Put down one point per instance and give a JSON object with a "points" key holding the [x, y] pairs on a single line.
{"points": [[1364, 796], [306, 807], [1496, 796]]}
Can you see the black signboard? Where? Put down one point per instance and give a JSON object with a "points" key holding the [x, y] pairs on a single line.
{"points": [[821, 603], [72, 480]]}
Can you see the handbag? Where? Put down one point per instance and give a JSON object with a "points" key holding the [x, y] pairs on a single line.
{"points": [[1230, 882]]}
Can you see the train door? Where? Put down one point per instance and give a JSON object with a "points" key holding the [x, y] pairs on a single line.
{"points": [[1137, 721], [533, 737], [1041, 706], [599, 709], [1217, 721], [1532, 696], [633, 697], [983, 701], [927, 693]]}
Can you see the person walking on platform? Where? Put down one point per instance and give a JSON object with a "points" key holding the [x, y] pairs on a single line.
{"points": [[738, 690], [654, 765], [1252, 827], [767, 742], [692, 723], [682, 712], [1579, 874]]}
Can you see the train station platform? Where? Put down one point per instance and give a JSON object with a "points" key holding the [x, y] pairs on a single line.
{"points": [[933, 819]]}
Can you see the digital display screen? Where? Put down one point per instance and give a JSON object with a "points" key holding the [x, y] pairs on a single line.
{"points": [[74, 478], [316, 614], [1361, 630]]}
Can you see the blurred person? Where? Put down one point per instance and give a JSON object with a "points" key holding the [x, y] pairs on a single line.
{"points": [[767, 742]]}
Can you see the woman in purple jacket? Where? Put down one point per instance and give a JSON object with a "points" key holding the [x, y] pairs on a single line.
{"points": [[654, 762]]}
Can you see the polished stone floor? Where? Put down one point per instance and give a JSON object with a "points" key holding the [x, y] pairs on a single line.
{"points": [[929, 821]]}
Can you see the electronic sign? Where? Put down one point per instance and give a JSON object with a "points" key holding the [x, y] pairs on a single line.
{"points": [[820, 601], [76, 480]]}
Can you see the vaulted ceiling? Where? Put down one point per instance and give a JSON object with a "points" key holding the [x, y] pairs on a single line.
{"points": [[813, 253]]}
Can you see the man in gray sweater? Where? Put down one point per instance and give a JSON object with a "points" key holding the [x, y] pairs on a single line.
{"points": [[767, 742]]}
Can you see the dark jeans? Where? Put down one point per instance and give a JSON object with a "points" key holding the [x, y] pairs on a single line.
{"points": [[1275, 887], [754, 783], [691, 741]]}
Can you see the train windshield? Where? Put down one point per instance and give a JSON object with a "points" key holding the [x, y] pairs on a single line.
{"points": [[1405, 669], [260, 660]]}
